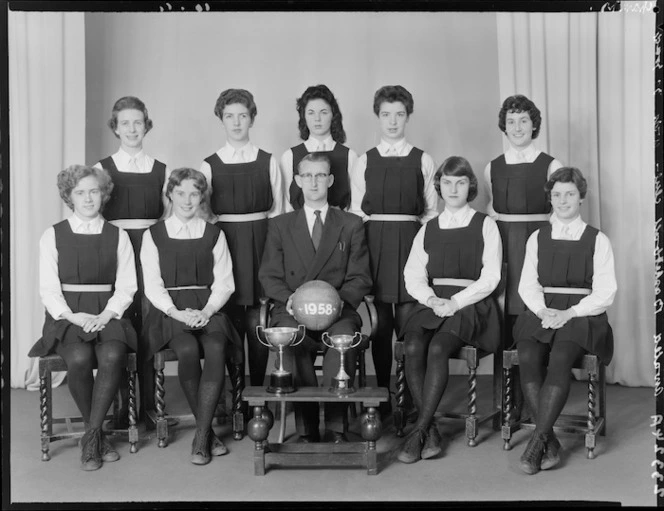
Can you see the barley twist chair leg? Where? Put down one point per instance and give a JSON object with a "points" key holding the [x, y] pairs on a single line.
{"points": [[507, 409], [471, 420], [44, 381]]}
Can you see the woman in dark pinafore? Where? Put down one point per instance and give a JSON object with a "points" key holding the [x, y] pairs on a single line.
{"points": [[321, 129], [245, 190], [567, 283], [452, 271], [87, 280], [392, 190], [515, 182], [188, 278]]}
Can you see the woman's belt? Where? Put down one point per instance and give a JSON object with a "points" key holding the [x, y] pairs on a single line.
{"points": [[568, 290], [246, 217], [453, 282], [539, 217], [87, 288], [180, 288], [134, 223], [394, 218]]}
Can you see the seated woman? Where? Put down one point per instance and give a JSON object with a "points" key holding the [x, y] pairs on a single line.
{"points": [[567, 283], [188, 278], [87, 280], [453, 267]]}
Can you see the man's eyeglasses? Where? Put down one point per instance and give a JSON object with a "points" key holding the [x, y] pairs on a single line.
{"points": [[308, 178]]}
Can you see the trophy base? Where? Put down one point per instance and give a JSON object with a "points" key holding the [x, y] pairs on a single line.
{"points": [[281, 384], [340, 387]]}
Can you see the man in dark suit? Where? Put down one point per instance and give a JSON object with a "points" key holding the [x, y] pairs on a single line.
{"points": [[317, 242]]}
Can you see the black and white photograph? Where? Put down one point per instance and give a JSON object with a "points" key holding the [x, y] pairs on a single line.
{"points": [[367, 254]]}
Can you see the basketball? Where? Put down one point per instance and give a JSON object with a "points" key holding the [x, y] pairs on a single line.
{"points": [[316, 305]]}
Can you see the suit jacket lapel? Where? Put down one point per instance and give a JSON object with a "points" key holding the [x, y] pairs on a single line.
{"points": [[331, 230], [302, 239]]}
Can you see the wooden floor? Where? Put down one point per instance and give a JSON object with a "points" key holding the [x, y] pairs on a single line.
{"points": [[621, 473]]}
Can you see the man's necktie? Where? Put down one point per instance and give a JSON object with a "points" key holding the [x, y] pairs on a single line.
{"points": [[317, 231]]}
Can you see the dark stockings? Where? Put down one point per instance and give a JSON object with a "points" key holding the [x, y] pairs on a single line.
{"points": [[427, 371], [94, 396], [553, 382], [201, 388], [391, 317], [245, 320]]}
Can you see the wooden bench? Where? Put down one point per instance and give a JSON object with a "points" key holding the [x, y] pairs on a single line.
{"points": [[315, 454]]}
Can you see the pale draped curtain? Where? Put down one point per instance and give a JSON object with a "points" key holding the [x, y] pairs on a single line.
{"points": [[592, 76], [47, 125]]}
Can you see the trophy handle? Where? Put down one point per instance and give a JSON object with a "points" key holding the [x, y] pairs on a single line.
{"points": [[260, 329], [301, 332], [324, 337], [359, 340]]}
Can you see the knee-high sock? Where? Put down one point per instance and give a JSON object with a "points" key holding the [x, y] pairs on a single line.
{"points": [[442, 347], [111, 360], [80, 359]]}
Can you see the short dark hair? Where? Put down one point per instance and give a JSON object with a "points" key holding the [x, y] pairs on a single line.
{"points": [[567, 175], [315, 158], [392, 94], [128, 103], [456, 166], [320, 92], [230, 96], [69, 178], [520, 103]]}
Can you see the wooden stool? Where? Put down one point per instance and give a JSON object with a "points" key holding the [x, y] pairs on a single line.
{"points": [[319, 453], [472, 356], [50, 363], [589, 424], [159, 418], [365, 343]]}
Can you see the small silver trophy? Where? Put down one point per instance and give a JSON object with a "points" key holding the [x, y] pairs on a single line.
{"points": [[281, 381], [342, 343]]}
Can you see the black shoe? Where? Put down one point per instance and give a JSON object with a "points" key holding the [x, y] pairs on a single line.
{"points": [[411, 451], [336, 437], [91, 450], [531, 459], [385, 410], [432, 442], [551, 456], [308, 439]]}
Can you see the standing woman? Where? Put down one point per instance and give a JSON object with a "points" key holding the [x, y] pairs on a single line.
{"points": [[136, 203], [453, 268], [321, 128], [568, 282], [517, 202], [245, 190], [188, 278], [393, 190], [87, 280]]}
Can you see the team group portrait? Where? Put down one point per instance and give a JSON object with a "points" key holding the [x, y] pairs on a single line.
{"points": [[331, 256]]}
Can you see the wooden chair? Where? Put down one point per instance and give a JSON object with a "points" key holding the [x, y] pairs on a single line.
{"points": [[589, 424], [50, 363], [365, 343], [158, 416], [472, 356]]}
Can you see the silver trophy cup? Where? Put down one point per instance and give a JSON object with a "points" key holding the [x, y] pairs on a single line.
{"points": [[342, 343], [281, 381]]}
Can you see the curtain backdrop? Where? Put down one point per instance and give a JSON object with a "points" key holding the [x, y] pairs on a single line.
{"points": [[47, 124], [591, 75]]}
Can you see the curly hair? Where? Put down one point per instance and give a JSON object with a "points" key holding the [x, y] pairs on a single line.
{"points": [[128, 103], [567, 175], [517, 104], [230, 96], [392, 94], [69, 178], [456, 166], [320, 92], [181, 174]]}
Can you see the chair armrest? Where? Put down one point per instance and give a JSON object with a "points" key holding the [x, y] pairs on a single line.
{"points": [[264, 312], [373, 315]]}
